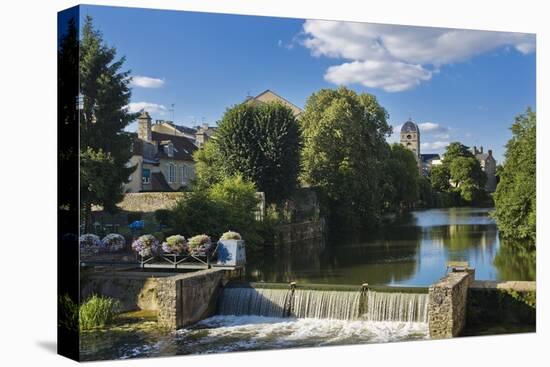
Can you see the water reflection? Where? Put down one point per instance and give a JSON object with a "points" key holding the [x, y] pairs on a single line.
{"points": [[516, 261], [408, 250]]}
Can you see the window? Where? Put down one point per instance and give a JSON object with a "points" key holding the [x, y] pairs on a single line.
{"points": [[169, 149], [409, 136], [171, 173], [146, 176], [183, 173]]}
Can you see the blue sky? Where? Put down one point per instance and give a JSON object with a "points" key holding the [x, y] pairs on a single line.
{"points": [[457, 85]]}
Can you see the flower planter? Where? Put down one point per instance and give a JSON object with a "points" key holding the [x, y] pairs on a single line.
{"points": [[231, 253]]}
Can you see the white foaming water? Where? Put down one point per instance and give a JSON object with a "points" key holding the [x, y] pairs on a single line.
{"points": [[236, 333]]}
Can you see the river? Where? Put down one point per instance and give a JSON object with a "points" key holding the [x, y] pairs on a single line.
{"points": [[412, 249]]}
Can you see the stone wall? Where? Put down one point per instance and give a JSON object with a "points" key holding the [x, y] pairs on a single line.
{"points": [[493, 305], [180, 300], [188, 298], [134, 290], [447, 305], [299, 232]]}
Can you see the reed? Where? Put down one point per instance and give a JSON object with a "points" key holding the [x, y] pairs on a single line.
{"points": [[97, 311]]}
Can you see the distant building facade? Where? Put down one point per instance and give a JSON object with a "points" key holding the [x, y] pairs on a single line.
{"points": [[489, 165], [268, 96], [164, 161], [428, 161], [410, 139]]}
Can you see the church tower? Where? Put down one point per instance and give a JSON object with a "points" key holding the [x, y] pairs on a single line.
{"points": [[410, 139]]}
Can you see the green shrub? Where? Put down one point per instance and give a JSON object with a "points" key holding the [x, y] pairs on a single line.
{"points": [[67, 313], [97, 311]]}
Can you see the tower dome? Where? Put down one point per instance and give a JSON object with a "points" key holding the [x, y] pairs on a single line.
{"points": [[409, 127]]}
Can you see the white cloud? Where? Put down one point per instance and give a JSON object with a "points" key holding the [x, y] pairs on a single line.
{"points": [[147, 106], [390, 76], [398, 58], [146, 82]]}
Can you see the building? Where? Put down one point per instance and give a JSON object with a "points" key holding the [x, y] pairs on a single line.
{"points": [[488, 165], [164, 161], [203, 133], [269, 96], [428, 161], [169, 128], [410, 139]]}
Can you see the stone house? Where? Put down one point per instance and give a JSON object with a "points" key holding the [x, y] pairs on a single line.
{"points": [[488, 165], [268, 96], [164, 162]]}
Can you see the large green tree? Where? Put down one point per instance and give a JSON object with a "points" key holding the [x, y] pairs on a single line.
{"points": [[402, 178], [344, 151], [460, 175], [467, 177], [515, 197], [105, 147], [260, 142]]}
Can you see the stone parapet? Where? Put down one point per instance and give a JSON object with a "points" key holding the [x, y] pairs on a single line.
{"points": [[447, 304]]}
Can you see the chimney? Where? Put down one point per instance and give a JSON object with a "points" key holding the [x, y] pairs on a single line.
{"points": [[144, 126], [481, 149], [490, 151], [475, 150]]}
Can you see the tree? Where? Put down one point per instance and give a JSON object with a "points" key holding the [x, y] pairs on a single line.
{"points": [[402, 182], [227, 205], [439, 178], [515, 196], [344, 148], [459, 175], [455, 150], [261, 142], [467, 177], [105, 147], [209, 164]]}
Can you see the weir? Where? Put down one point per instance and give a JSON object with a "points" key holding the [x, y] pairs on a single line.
{"points": [[342, 304]]}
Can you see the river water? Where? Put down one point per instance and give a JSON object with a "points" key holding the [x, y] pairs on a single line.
{"points": [[409, 250]]}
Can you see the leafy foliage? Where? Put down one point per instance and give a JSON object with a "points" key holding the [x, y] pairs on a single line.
{"points": [[105, 147], [515, 197], [468, 177], [460, 178], [97, 311], [344, 149], [260, 142], [402, 183], [229, 204], [68, 313]]}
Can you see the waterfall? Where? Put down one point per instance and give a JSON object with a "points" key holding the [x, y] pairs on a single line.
{"points": [[405, 307], [325, 304], [254, 301]]}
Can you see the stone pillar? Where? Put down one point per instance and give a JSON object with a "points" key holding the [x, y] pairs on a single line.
{"points": [[188, 298], [447, 304]]}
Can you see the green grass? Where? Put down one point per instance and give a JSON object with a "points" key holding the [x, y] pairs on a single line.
{"points": [[97, 311]]}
